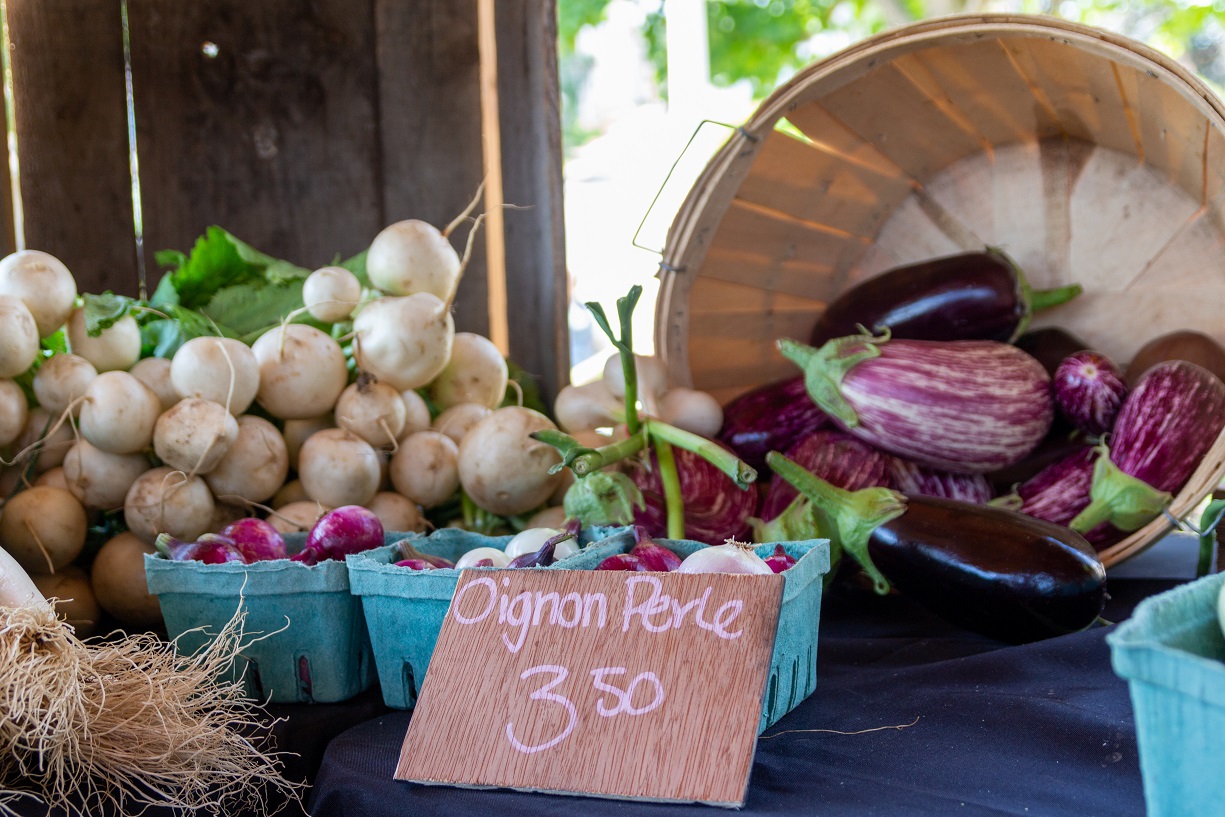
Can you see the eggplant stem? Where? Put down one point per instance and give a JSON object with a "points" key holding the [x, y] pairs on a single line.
{"points": [[849, 517], [824, 369], [608, 454], [741, 472], [1040, 299], [673, 500], [1117, 497]]}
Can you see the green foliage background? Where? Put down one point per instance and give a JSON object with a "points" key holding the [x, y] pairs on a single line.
{"points": [[764, 41]]}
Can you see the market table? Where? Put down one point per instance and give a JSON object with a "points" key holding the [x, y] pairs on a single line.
{"points": [[911, 716]]}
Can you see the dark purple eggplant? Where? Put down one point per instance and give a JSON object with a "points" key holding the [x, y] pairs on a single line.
{"points": [[1089, 390], [769, 418], [911, 479], [1164, 429], [835, 457], [1184, 344], [971, 296], [998, 572], [715, 508], [970, 405], [1050, 346]]}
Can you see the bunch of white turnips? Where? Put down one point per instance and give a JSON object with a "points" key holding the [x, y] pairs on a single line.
{"points": [[172, 442]]}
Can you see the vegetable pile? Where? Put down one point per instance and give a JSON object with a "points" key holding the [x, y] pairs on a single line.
{"points": [[973, 465]]}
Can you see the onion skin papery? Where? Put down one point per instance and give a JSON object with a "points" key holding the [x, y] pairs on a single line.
{"points": [[730, 557]]}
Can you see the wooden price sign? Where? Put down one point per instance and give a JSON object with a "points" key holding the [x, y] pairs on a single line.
{"points": [[616, 684]]}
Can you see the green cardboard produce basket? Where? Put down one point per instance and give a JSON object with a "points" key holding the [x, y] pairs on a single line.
{"points": [[305, 638], [1172, 654], [404, 610]]}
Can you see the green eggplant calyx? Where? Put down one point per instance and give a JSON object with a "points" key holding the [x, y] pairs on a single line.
{"points": [[603, 498], [824, 369], [1009, 502], [847, 517], [1118, 498], [1032, 300]]}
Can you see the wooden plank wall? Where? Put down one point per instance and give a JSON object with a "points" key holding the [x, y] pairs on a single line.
{"points": [[302, 127]]}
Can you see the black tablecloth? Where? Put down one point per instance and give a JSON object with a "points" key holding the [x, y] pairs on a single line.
{"points": [[963, 726]]}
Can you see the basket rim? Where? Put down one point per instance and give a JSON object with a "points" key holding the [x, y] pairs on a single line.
{"points": [[689, 236]]}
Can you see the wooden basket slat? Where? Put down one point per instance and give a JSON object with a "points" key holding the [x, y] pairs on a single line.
{"points": [[793, 176], [901, 122], [834, 137], [717, 298], [1087, 156], [978, 79]]}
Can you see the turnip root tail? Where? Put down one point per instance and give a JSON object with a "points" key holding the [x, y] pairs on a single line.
{"points": [[41, 442], [514, 384], [114, 727], [463, 261], [458, 220]]}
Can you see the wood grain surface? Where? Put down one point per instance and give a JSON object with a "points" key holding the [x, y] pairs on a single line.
{"points": [[624, 685]]}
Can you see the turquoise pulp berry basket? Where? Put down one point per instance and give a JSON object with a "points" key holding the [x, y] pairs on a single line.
{"points": [[404, 609], [304, 637], [1172, 654]]}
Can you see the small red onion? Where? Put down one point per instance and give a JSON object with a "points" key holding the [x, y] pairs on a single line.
{"points": [[622, 561], [780, 559], [257, 539], [416, 564]]}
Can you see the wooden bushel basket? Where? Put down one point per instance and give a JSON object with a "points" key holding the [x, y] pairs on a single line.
{"points": [[1088, 157]]}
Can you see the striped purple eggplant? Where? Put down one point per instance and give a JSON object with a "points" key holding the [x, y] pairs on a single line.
{"points": [[1089, 390], [834, 456], [770, 418], [1164, 429], [913, 479], [968, 406], [1059, 492]]}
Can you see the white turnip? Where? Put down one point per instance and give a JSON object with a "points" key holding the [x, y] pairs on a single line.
{"points": [[425, 468], [43, 528], [154, 372], [118, 580], [116, 348], [74, 599], [694, 411], [194, 435], [586, 407], [297, 432], [223, 370], [551, 517], [43, 284], [297, 517], [301, 371], [412, 256], [476, 373], [404, 341], [397, 512], [416, 413], [54, 477], [14, 411], [502, 468], [652, 380], [119, 413], [46, 436], [456, 421], [163, 500], [256, 464], [331, 293], [19, 340], [373, 411], [291, 491], [339, 468], [62, 379], [100, 479]]}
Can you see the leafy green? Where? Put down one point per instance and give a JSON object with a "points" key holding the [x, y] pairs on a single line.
{"points": [[102, 311], [163, 332], [219, 260]]}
